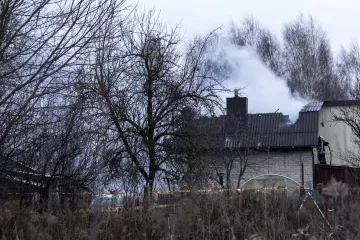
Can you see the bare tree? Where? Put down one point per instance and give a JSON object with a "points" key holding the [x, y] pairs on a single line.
{"points": [[217, 149], [350, 115], [237, 159], [348, 68], [60, 155], [142, 82], [304, 58], [251, 33], [40, 42], [309, 68]]}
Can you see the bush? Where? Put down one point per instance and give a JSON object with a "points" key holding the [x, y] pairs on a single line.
{"points": [[245, 215]]}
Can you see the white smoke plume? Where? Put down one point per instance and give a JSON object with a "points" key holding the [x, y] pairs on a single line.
{"points": [[265, 91]]}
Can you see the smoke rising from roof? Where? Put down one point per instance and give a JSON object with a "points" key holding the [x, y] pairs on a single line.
{"points": [[265, 91]]}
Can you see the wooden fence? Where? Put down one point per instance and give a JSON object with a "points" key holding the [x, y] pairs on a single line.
{"points": [[323, 174]]}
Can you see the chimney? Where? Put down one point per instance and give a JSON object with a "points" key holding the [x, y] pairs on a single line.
{"points": [[237, 107]]}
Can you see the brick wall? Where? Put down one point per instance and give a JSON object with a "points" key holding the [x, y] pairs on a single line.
{"points": [[284, 162]]}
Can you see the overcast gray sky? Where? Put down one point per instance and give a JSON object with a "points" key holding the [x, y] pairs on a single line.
{"points": [[338, 18]]}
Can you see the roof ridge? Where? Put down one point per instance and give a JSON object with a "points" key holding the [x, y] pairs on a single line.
{"points": [[266, 113]]}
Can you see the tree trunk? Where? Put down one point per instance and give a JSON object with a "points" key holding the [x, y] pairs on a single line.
{"points": [[148, 195], [146, 199], [44, 199]]}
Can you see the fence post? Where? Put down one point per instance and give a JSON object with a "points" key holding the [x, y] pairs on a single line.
{"points": [[302, 190], [347, 203]]}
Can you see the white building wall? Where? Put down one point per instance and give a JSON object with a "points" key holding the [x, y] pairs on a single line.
{"points": [[338, 134], [286, 163]]}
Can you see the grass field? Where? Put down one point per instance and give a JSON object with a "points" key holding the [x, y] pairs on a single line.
{"points": [[248, 215]]}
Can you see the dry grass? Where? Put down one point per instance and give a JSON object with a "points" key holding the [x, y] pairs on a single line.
{"points": [[249, 215]]}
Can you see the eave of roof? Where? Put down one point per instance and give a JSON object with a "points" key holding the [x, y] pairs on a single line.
{"points": [[341, 103]]}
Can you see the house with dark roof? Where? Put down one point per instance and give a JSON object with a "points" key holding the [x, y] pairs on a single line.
{"points": [[17, 179], [240, 146]]}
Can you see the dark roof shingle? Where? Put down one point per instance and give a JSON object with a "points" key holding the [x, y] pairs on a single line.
{"points": [[264, 130]]}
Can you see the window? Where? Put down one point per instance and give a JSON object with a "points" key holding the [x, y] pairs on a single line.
{"points": [[221, 178]]}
